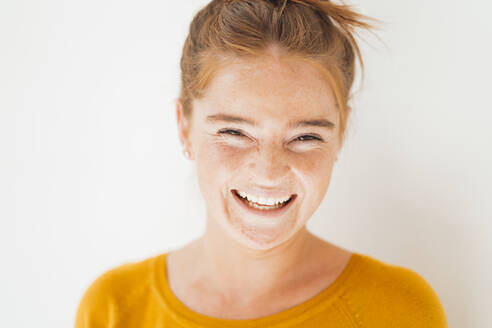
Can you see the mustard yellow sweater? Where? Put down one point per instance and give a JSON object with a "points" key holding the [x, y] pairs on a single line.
{"points": [[368, 293]]}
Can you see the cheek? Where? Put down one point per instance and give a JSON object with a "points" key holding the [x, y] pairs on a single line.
{"points": [[218, 157], [316, 164], [217, 164], [315, 172]]}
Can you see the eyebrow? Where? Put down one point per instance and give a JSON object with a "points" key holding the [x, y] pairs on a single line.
{"points": [[237, 119]]}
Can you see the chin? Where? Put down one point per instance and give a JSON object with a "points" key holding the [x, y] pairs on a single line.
{"points": [[254, 230], [258, 237]]}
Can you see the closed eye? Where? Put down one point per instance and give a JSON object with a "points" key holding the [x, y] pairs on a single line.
{"points": [[308, 138], [231, 132], [236, 133]]}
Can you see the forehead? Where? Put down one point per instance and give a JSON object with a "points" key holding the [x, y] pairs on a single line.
{"points": [[280, 87]]}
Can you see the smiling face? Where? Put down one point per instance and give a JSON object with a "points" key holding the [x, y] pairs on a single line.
{"points": [[266, 128]]}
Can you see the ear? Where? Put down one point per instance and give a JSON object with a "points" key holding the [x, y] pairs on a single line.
{"points": [[183, 126]]}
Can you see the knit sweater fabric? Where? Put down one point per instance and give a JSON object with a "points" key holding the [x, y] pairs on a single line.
{"points": [[368, 293]]}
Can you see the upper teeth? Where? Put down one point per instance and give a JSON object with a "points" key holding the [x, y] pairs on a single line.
{"points": [[263, 200]]}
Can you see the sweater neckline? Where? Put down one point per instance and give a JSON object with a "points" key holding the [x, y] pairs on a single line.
{"points": [[290, 317]]}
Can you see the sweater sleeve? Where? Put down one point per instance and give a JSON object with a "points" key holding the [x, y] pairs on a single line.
{"points": [[394, 296], [424, 303], [97, 307]]}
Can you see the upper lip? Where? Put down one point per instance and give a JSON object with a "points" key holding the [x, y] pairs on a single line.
{"points": [[264, 193]]}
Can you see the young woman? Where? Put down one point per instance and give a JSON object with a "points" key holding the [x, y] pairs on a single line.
{"points": [[263, 112]]}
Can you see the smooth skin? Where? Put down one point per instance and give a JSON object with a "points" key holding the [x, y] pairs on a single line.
{"points": [[247, 266]]}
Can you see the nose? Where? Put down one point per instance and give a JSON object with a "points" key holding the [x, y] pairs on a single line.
{"points": [[269, 164]]}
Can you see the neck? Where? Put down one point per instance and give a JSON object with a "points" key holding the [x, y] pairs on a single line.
{"points": [[240, 273]]}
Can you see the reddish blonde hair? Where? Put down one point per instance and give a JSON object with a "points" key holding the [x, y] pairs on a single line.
{"points": [[316, 31]]}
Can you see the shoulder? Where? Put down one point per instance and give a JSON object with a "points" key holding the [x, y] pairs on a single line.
{"points": [[111, 292], [392, 293]]}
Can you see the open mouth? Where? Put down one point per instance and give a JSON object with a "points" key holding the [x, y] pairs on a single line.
{"points": [[264, 209]]}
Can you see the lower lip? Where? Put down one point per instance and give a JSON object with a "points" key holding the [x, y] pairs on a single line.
{"points": [[265, 213]]}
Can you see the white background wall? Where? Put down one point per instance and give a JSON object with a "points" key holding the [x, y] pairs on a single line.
{"points": [[92, 175]]}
